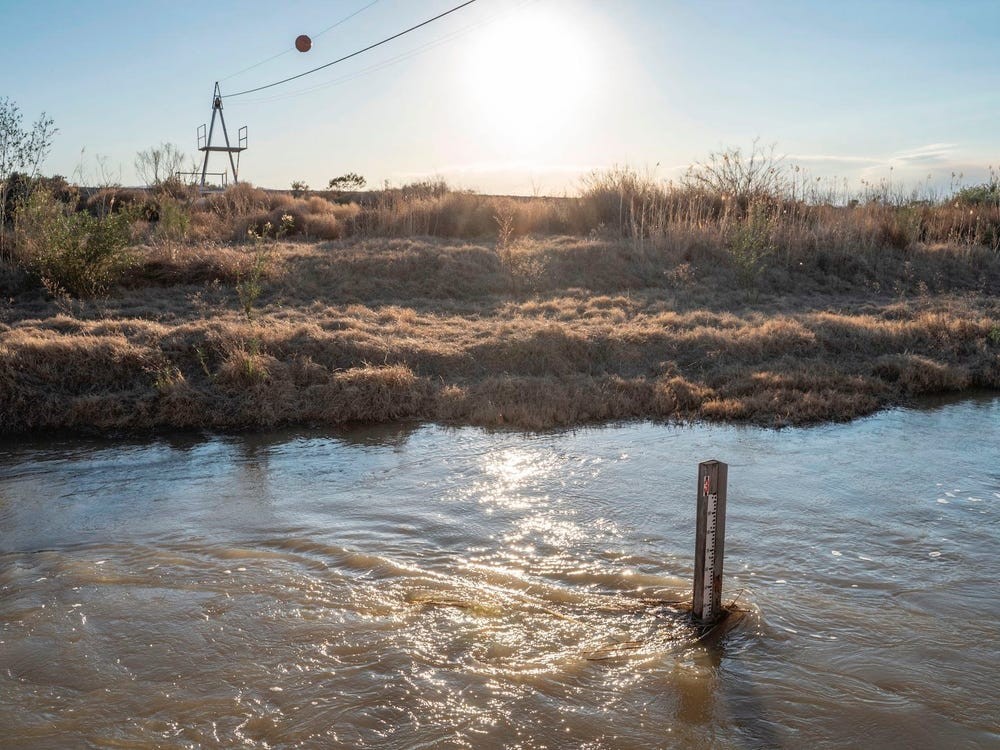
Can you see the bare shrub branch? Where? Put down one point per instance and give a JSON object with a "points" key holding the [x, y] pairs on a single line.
{"points": [[743, 176], [22, 151], [157, 164]]}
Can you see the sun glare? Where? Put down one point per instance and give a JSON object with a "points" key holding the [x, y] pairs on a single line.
{"points": [[529, 75]]}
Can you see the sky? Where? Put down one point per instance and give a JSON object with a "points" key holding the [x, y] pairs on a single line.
{"points": [[515, 96]]}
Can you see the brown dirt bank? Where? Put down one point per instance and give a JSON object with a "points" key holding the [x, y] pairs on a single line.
{"points": [[544, 333]]}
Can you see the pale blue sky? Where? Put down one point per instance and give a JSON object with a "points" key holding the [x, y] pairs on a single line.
{"points": [[516, 95]]}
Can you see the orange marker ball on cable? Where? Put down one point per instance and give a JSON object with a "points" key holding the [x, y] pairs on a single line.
{"points": [[303, 43]]}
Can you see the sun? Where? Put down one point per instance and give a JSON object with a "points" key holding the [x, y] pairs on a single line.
{"points": [[528, 76]]}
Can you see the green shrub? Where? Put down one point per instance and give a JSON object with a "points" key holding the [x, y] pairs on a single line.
{"points": [[978, 195], [173, 220], [994, 335], [249, 282], [750, 244], [73, 252]]}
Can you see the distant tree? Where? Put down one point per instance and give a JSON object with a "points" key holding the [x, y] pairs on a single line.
{"points": [[349, 181], [22, 151], [299, 188], [158, 164]]}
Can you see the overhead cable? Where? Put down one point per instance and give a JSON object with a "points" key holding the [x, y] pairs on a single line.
{"points": [[345, 19], [354, 54], [416, 51]]}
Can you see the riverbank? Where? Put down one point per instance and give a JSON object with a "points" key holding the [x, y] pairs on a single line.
{"points": [[537, 333]]}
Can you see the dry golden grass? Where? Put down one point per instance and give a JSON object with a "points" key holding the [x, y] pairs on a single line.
{"points": [[539, 333], [795, 226]]}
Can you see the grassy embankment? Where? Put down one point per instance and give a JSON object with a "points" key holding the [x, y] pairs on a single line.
{"points": [[629, 302]]}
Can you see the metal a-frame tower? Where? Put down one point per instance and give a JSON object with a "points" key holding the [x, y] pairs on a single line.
{"points": [[205, 142]]}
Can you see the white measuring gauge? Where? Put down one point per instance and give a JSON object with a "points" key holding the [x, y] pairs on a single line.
{"points": [[710, 541], [708, 579]]}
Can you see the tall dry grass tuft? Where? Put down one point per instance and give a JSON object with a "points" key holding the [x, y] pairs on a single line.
{"points": [[718, 205]]}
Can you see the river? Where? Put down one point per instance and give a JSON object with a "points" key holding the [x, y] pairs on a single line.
{"points": [[422, 586]]}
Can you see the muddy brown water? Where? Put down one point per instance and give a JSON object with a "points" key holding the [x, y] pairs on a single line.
{"points": [[426, 587]]}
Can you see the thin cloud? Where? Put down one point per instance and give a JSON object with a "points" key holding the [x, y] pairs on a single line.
{"points": [[932, 152], [832, 159]]}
